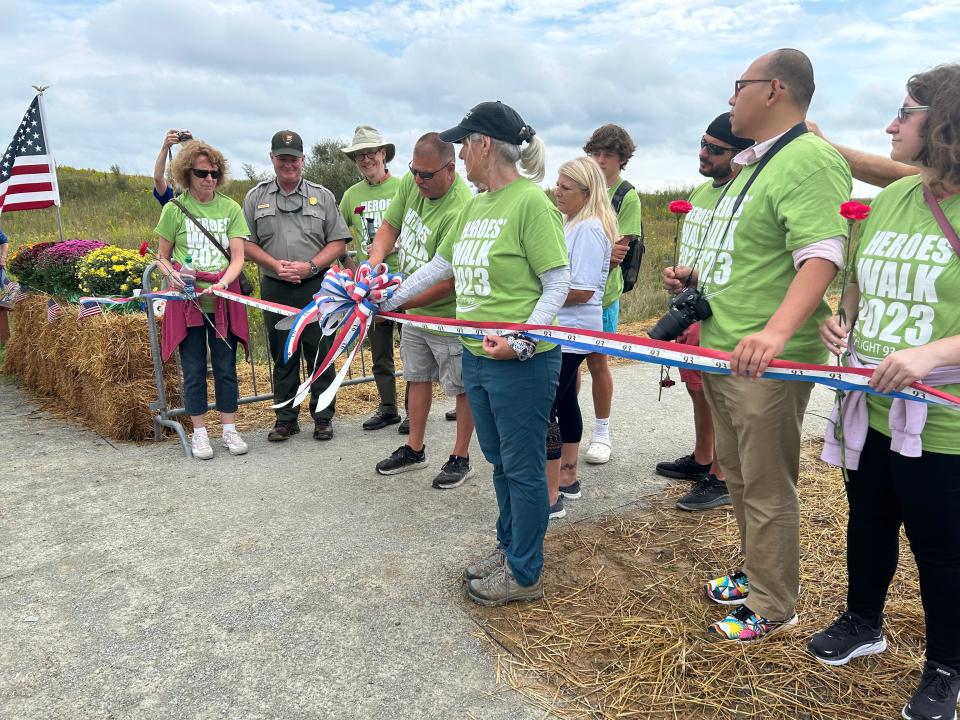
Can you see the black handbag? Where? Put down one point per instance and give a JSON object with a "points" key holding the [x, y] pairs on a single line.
{"points": [[246, 285]]}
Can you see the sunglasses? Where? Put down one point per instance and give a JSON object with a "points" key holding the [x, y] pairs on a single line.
{"points": [[215, 174], [714, 149], [366, 154], [425, 174], [907, 110], [739, 84]]}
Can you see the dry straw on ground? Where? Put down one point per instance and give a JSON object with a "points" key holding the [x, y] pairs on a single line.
{"points": [[620, 633]]}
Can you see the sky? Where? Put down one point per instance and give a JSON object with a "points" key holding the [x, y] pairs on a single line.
{"points": [[122, 72]]}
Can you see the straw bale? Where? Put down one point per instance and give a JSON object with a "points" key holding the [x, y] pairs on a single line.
{"points": [[119, 410]]}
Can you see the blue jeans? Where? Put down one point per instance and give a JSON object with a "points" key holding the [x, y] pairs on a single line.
{"points": [[511, 403], [193, 360]]}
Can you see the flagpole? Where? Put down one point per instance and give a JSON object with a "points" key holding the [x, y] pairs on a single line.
{"points": [[53, 163]]}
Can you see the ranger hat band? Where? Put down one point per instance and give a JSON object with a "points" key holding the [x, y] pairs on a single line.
{"points": [[721, 130], [287, 142], [369, 138], [493, 119]]}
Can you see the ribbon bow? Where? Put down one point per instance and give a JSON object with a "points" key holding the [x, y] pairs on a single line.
{"points": [[345, 305]]}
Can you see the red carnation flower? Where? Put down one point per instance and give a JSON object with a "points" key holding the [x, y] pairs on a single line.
{"points": [[680, 207], [358, 210], [854, 210], [144, 247], [667, 382]]}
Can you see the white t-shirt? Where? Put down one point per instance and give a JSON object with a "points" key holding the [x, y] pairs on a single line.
{"points": [[589, 251]]}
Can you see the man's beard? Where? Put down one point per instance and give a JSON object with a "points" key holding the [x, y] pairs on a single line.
{"points": [[717, 171]]}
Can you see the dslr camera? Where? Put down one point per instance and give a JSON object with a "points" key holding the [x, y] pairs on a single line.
{"points": [[686, 308], [184, 135]]}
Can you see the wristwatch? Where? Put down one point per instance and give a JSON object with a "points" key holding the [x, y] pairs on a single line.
{"points": [[524, 347], [314, 270]]}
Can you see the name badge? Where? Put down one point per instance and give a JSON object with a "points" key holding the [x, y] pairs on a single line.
{"points": [[263, 206], [313, 200]]}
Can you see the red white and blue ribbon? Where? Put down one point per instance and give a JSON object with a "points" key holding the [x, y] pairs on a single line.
{"points": [[345, 306], [347, 303], [136, 297]]}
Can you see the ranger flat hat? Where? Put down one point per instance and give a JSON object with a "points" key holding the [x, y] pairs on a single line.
{"points": [[287, 142], [368, 138]]}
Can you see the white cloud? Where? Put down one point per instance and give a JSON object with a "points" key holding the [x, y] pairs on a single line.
{"points": [[123, 71]]}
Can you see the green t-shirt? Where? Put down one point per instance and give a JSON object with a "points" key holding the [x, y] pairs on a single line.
{"points": [[423, 224], [628, 222], [695, 223], [222, 216], [909, 279], [503, 241], [749, 267], [375, 199]]}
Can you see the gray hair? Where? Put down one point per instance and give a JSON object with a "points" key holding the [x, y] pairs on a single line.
{"points": [[531, 158]]}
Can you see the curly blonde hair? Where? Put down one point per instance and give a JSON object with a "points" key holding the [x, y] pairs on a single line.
{"points": [[585, 172], [940, 89], [189, 152]]}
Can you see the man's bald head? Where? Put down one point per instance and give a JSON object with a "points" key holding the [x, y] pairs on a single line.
{"points": [[795, 72], [431, 143]]}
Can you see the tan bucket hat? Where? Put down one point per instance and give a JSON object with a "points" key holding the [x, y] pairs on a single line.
{"points": [[368, 138]]}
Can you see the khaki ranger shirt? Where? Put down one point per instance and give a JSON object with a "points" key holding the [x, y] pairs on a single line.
{"points": [[293, 226]]}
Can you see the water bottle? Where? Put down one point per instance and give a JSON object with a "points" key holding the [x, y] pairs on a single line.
{"points": [[189, 277]]}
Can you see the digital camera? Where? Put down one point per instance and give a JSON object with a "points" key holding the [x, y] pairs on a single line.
{"points": [[686, 308]]}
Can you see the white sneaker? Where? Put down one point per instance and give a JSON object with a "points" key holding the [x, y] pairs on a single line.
{"points": [[598, 453], [234, 443], [200, 445]]}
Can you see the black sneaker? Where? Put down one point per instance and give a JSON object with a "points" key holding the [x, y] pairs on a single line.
{"points": [[404, 427], [705, 495], [450, 415], [936, 696], [380, 419], [402, 460], [850, 636], [685, 468], [571, 491], [453, 473]]}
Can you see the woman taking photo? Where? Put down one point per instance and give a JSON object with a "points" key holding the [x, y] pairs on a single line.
{"points": [[908, 470], [509, 264], [205, 319], [590, 230]]}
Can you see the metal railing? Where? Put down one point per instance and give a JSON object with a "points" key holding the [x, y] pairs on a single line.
{"points": [[164, 415]]}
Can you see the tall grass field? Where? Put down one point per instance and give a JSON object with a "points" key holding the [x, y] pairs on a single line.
{"points": [[120, 209]]}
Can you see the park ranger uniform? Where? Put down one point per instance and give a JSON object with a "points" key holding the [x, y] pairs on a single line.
{"points": [[294, 227]]}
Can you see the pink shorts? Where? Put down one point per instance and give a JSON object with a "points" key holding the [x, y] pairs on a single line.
{"points": [[691, 378]]}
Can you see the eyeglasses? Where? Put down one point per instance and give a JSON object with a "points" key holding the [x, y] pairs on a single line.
{"points": [[904, 113], [739, 84], [366, 154], [714, 149], [425, 174], [215, 174]]}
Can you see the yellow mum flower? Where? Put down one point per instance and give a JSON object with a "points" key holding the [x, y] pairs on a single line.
{"points": [[124, 287]]}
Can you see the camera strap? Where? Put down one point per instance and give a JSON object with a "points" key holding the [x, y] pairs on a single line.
{"points": [[202, 229], [790, 135], [942, 221]]}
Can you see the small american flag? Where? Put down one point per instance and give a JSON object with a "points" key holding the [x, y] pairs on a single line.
{"points": [[28, 176], [8, 283], [19, 295], [54, 311], [89, 309]]}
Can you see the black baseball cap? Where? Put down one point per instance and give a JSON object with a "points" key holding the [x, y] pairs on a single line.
{"points": [[494, 119], [287, 142]]}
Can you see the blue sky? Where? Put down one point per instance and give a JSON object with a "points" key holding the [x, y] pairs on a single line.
{"points": [[123, 71]]}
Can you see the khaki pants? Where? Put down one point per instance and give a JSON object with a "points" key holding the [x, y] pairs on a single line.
{"points": [[757, 425]]}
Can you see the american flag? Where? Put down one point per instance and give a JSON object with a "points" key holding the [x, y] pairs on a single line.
{"points": [[89, 309], [19, 295], [54, 311], [8, 283], [28, 176]]}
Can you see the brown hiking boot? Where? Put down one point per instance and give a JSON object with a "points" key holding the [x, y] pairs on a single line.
{"points": [[283, 430], [484, 566]]}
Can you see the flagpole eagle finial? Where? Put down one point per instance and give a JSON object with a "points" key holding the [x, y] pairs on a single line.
{"points": [[40, 88]]}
